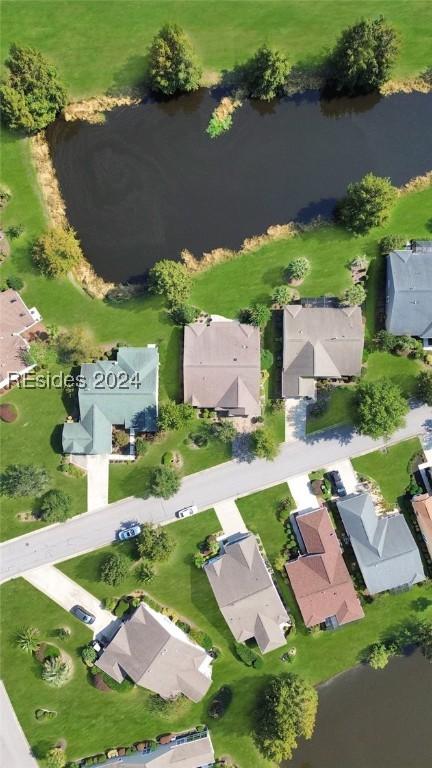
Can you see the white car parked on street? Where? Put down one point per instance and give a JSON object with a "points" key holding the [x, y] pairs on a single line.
{"points": [[187, 511]]}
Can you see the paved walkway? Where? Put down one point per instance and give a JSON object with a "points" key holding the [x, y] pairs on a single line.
{"points": [[229, 517], [295, 419], [14, 748], [67, 593], [301, 492], [347, 473], [97, 482], [232, 479]]}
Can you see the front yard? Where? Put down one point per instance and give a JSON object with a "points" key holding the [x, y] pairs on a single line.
{"points": [[112, 719]]}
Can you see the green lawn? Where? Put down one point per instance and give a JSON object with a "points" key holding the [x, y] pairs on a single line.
{"points": [[389, 468], [98, 47], [104, 720]]}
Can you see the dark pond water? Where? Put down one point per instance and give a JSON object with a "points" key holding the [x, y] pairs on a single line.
{"points": [[150, 182], [373, 719]]}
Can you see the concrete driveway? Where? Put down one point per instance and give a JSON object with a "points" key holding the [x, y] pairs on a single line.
{"points": [[301, 492], [295, 418], [14, 748], [67, 593], [97, 481], [347, 473], [229, 517]]}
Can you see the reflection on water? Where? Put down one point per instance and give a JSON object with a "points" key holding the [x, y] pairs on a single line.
{"points": [[373, 719], [150, 182]]}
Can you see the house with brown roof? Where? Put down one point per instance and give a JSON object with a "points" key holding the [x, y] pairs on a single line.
{"points": [[246, 594], [319, 343], [222, 367], [422, 506], [154, 653], [15, 320], [319, 577]]}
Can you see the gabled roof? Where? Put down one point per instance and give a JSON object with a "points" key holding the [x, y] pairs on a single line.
{"points": [[122, 392], [385, 549], [319, 578], [409, 290], [157, 655], [15, 319], [185, 751], [320, 342], [246, 594], [222, 367], [422, 506]]}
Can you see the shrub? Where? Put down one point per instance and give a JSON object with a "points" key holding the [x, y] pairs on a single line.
{"points": [[23, 480], [266, 360], [385, 341], [363, 57], [171, 280], [121, 438], [283, 294], [55, 506], [174, 415], [220, 702], [424, 386], [57, 251], [63, 633], [182, 314], [76, 346], [200, 560], [201, 638], [298, 268], [32, 95], [145, 572], [110, 603], [154, 543], [367, 203], [258, 314], [14, 282], [173, 66], [55, 758], [217, 125], [114, 569], [380, 654], [56, 671], [15, 231], [381, 408], [266, 74], [164, 482], [413, 488], [5, 197], [121, 608], [263, 444], [408, 345], [391, 243], [141, 446], [28, 639], [354, 296], [247, 655], [224, 430], [88, 655]]}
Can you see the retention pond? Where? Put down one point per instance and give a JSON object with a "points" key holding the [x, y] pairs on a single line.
{"points": [[149, 181]]}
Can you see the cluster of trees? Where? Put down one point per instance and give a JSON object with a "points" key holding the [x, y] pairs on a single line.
{"points": [[405, 346], [174, 415], [154, 543], [287, 712], [30, 480], [424, 386]]}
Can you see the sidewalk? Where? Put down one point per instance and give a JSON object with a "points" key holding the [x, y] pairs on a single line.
{"points": [[229, 517]]}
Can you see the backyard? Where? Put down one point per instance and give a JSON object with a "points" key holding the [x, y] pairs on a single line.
{"points": [[180, 585]]}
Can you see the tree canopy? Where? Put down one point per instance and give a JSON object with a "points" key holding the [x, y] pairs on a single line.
{"points": [[173, 65], [363, 57], [263, 444], [287, 711], [174, 415], [381, 408], [154, 543], [354, 296], [424, 386], [31, 95], [266, 74], [367, 204], [23, 480], [164, 482], [171, 280], [114, 569], [55, 506], [57, 251]]}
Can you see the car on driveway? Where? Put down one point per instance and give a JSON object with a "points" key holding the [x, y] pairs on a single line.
{"points": [[187, 511], [129, 533], [83, 615], [337, 483]]}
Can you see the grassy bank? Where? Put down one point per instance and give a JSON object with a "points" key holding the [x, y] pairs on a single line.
{"points": [[389, 468], [99, 47], [103, 720]]}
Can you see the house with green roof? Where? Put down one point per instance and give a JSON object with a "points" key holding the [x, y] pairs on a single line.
{"points": [[122, 392]]}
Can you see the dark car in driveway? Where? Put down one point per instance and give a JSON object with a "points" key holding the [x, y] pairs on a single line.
{"points": [[83, 615], [337, 483]]}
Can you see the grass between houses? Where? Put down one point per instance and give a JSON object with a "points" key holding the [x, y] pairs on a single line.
{"points": [[97, 49], [112, 719], [390, 468]]}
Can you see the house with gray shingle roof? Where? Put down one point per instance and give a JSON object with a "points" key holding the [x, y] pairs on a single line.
{"points": [[222, 367], [246, 594], [409, 291], [122, 392], [385, 549], [153, 652], [319, 342], [189, 750]]}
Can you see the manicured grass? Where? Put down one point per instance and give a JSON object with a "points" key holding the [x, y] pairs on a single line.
{"points": [[104, 720], [98, 47], [389, 468], [339, 411]]}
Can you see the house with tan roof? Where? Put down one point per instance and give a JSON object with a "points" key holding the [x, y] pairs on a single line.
{"points": [[319, 343], [188, 750], [154, 653], [15, 320], [246, 594], [319, 577], [422, 506], [222, 367]]}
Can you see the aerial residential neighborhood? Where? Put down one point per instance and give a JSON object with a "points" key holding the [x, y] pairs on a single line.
{"points": [[215, 384]]}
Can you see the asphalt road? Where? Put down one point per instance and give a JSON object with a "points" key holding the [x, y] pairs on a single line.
{"points": [[229, 480], [14, 749]]}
